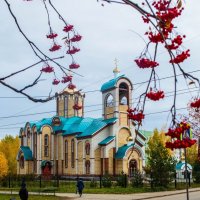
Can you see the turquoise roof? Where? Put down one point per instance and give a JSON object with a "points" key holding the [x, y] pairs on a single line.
{"points": [[107, 140], [110, 84], [122, 151], [82, 127], [27, 152], [92, 126], [181, 165]]}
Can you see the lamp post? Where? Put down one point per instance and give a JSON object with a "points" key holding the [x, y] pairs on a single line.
{"points": [[186, 174]]}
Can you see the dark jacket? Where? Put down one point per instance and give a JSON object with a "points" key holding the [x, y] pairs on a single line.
{"points": [[80, 185], [23, 193]]}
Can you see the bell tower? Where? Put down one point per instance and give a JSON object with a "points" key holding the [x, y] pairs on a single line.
{"points": [[70, 103], [117, 97]]}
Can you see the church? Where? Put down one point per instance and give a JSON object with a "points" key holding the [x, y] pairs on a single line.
{"points": [[71, 144]]}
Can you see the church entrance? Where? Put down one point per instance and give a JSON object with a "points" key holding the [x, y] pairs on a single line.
{"points": [[46, 168], [132, 167]]}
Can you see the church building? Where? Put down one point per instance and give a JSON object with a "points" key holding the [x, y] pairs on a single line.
{"points": [[71, 144]]}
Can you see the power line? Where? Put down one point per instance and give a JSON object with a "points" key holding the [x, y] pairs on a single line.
{"points": [[39, 113], [91, 91]]}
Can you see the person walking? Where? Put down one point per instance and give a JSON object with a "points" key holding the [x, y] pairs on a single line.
{"points": [[80, 186], [23, 192]]}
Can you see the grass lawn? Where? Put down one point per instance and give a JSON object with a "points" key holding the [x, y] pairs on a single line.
{"points": [[32, 197]]}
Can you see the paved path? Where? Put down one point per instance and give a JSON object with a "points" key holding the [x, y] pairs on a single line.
{"points": [[138, 196]]}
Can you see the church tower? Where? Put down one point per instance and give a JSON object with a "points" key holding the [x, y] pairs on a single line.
{"points": [[70, 103], [117, 97]]}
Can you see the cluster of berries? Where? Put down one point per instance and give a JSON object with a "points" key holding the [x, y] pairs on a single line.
{"points": [[76, 107], [73, 50], [177, 133], [135, 115], [178, 144], [155, 95], [55, 47], [47, 69], [146, 63], [66, 79], [195, 104], [71, 86], [55, 82], [76, 38], [181, 57], [74, 66], [176, 42]]}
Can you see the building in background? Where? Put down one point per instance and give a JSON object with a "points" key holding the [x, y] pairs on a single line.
{"points": [[71, 144]]}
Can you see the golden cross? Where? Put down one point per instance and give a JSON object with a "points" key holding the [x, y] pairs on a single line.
{"points": [[116, 62]]}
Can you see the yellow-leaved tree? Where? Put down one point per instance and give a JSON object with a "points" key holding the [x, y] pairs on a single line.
{"points": [[192, 154], [9, 146], [3, 165]]}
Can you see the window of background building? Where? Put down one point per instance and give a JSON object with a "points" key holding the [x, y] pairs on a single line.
{"points": [[21, 162], [87, 166], [87, 148], [72, 154], [46, 145], [66, 153]]}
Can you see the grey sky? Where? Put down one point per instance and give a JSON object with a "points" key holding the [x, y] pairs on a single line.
{"points": [[108, 32]]}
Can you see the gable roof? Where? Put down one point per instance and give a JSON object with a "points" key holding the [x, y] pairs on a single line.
{"points": [[27, 153]]}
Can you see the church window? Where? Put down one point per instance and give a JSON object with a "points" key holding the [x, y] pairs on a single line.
{"points": [[21, 162], [87, 148], [35, 151], [87, 166], [28, 133], [109, 101], [76, 103], [66, 153], [72, 154], [123, 94], [46, 145], [66, 106]]}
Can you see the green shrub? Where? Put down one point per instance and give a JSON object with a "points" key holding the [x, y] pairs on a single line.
{"points": [[122, 180], [93, 183], [137, 179], [106, 181]]}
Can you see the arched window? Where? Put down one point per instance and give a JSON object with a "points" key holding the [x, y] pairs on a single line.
{"points": [[35, 151], [21, 162], [87, 148], [87, 167], [109, 102], [123, 94], [46, 145], [66, 153], [28, 133], [72, 153]]}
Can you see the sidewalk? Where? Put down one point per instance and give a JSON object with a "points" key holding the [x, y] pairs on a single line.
{"points": [[134, 196]]}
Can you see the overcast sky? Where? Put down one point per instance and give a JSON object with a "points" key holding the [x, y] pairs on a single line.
{"points": [[110, 31]]}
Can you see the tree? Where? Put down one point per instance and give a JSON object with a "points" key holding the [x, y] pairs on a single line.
{"points": [[192, 154], [3, 165], [9, 146], [160, 163]]}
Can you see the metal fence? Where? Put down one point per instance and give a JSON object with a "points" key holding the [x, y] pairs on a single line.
{"points": [[67, 183]]}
